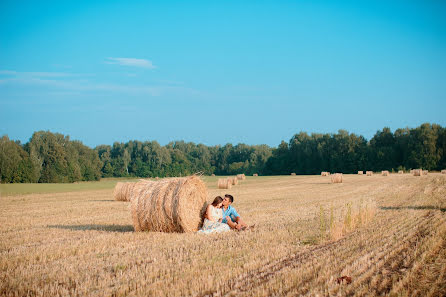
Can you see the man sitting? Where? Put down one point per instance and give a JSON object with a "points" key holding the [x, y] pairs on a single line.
{"points": [[230, 215]]}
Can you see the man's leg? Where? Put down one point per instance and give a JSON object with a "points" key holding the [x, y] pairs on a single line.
{"points": [[240, 222], [233, 225]]}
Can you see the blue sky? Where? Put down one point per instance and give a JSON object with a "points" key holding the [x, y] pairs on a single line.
{"points": [[215, 72]]}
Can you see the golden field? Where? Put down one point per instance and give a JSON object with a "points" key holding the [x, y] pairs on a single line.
{"points": [[388, 233]]}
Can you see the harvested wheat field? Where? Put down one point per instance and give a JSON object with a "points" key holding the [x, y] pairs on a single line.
{"points": [[387, 235]]}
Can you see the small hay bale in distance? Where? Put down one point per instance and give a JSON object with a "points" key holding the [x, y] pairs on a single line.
{"points": [[324, 173], [123, 191], [255, 174], [293, 174], [336, 178], [385, 173], [233, 180], [425, 172], [212, 174], [224, 183], [241, 176], [360, 172], [417, 172], [169, 205], [400, 172], [443, 171], [369, 173]]}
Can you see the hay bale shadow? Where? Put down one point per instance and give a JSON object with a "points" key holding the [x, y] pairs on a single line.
{"points": [[95, 227]]}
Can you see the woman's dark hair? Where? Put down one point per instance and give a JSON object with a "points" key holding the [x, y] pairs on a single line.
{"points": [[217, 200]]}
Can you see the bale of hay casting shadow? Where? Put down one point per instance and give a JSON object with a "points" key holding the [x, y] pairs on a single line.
{"points": [[400, 172], [425, 172], [293, 174], [224, 183], [123, 191], [443, 171], [385, 173], [233, 180], [168, 205], [241, 176], [417, 172], [336, 178], [360, 172], [369, 173], [255, 174], [324, 173]]}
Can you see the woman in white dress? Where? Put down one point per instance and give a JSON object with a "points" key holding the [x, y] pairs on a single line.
{"points": [[213, 217]]}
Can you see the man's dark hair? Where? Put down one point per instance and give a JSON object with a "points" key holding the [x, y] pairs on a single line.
{"points": [[230, 197]]}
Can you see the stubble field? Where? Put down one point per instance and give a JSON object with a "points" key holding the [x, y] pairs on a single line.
{"points": [[387, 233]]}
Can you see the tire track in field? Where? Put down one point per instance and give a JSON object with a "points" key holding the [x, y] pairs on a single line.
{"points": [[323, 277], [255, 278]]}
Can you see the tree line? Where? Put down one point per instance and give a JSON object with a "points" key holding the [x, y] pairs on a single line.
{"points": [[53, 158]]}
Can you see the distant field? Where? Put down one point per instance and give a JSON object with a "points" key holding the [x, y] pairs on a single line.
{"points": [[74, 239]]}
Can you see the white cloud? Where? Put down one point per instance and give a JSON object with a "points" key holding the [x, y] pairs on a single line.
{"points": [[142, 63]]}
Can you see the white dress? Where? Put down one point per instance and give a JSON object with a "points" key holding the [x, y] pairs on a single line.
{"points": [[214, 226]]}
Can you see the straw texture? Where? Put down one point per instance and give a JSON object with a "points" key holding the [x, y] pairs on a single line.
{"points": [[123, 191], [336, 178], [241, 176], [369, 173], [224, 183], [168, 205]]}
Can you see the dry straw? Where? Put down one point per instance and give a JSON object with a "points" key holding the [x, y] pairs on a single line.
{"points": [[400, 172], [425, 172], [169, 205], [385, 173], [255, 174], [123, 191], [360, 172], [224, 183], [417, 172], [443, 171], [241, 176], [336, 178], [369, 173], [293, 174], [233, 180], [325, 173]]}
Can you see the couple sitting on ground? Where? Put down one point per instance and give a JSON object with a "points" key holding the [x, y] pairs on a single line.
{"points": [[220, 216]]}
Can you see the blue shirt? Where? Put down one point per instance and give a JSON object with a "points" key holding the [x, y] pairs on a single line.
{"points": [[231, 212]]}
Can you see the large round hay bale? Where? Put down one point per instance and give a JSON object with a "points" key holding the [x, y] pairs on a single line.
{"points": [[336, 178], [123, 191], [224, 183], [385, 173], [241, 176], [169, 205], [369, 173], [417, 172], [360, 172]]}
